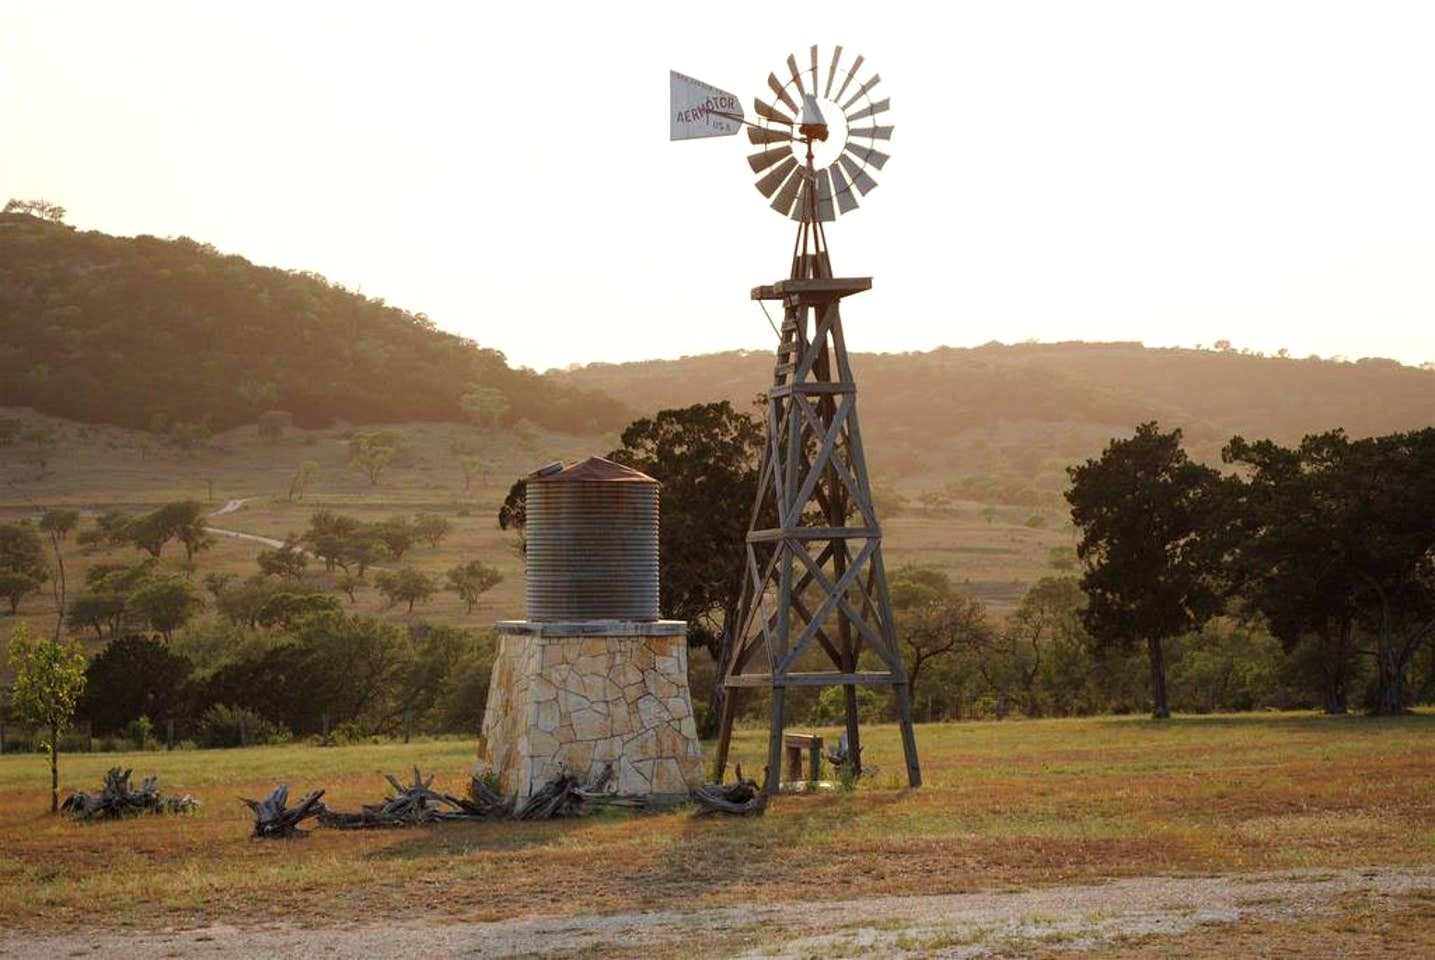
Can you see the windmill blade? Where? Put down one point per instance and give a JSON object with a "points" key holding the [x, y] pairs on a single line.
{"points": [[876, 78], [771, 180], [856, 65], [804, 199], [782, 203], [860, 180], [760, 135], [871, 158], [825, 212], [781, 93], [881, 106], [796, 75], [832, 73], [871, 133], [771, 113], [761, 161], [814, 69], [846, 199]]}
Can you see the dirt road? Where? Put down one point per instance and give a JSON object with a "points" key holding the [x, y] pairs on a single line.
{"points": [[1144, 911], [231, 507]]}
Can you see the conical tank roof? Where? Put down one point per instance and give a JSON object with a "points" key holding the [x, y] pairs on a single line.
{"points": [[593, 470]]}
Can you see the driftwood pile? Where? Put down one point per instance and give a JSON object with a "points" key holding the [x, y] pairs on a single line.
{"points": [[567, 796], [484, 800], [273, 818], [742, 798], [419, 803], [118, 799]]}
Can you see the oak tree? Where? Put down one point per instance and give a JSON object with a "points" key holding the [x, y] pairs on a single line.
{"points": [[1148, 577]]}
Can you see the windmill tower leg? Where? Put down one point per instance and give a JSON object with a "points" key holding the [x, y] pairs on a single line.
{"points": [[815, 578]]}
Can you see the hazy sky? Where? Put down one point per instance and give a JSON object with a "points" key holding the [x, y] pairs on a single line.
{"points": [[1171, 173]]}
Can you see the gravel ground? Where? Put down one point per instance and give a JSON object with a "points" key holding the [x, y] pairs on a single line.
{"points": [[959, 925]]}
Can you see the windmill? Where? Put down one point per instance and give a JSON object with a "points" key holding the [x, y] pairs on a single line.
{"points": [[814, 587]]}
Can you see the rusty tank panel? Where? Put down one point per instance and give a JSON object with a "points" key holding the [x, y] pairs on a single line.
{"points": [[592, 535]]}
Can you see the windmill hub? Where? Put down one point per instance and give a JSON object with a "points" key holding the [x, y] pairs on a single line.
{"points": [[814, 125]]}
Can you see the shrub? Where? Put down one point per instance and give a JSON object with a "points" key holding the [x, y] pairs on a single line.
{"points": [[226, 726], [140, 731], [829, 708], [347, 733], [703, 716]]}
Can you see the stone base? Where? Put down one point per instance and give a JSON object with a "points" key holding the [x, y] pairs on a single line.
{"points": [[574, 696]]}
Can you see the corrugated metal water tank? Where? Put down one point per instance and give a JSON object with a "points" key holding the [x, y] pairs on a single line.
{"points": [[592, 553]]}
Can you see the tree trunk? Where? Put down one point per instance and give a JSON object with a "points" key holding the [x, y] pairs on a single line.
{"points": [[718, 699], [1390, 679], [854, 731], [1333, 666], [54, 768], [1389, 668], [58, 586], [1160, 707]]}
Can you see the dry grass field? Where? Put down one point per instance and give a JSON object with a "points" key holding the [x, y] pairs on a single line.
{"points": [[1012, 808], [1007, 806]]}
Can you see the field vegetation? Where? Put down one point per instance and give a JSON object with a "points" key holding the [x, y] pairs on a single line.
{"points": [[1007, 805]]}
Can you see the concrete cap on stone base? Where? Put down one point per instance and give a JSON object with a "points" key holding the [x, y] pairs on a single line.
{"points": [[592, 628]]}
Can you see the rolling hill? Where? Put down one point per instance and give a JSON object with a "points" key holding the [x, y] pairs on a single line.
{"points": [[144, 332], [1027, 410]]}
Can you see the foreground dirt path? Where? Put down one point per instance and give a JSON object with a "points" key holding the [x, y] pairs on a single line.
{"points": [[1134, 916]]}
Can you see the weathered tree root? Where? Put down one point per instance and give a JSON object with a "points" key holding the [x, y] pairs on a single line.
{"points": [[741, 799], [273, 819], [484, 802], [116, 799], [566, 796], [418, 803]]}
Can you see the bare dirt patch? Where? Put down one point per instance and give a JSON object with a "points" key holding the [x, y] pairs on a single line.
{"points": [[1369, 911]]}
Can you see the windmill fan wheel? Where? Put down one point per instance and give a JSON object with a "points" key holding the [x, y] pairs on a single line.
{"points": [[796, 120]]}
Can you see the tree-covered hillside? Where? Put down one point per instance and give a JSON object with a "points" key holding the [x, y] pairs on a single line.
{"points": [[1026, 409], [143, 332]]}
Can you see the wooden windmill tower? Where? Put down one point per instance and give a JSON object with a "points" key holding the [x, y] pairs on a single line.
{"points": [[814, 587]]}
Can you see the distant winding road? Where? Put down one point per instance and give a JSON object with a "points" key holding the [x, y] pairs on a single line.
{"points": [[231, 507]]}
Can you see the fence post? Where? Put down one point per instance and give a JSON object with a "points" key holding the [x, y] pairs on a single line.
{"points": [[2, 738], [169, 734], [325, 721], [89, 737], [408, 725], [243, 734]]}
